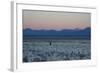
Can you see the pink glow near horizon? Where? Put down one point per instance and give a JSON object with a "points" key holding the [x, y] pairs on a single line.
{"points": [[55, 20]]}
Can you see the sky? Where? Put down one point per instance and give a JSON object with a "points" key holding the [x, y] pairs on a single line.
{"points": [[52, 20]]}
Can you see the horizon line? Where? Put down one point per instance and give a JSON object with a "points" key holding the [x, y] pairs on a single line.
{"points": [[59, 29]]}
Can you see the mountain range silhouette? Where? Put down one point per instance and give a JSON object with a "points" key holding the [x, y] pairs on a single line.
{"points": [[61, 33]]}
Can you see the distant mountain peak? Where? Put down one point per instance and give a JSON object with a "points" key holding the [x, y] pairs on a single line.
{"points": [[85, 31]]}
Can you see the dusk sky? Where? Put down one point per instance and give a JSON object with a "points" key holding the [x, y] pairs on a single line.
{"points": [[49, 20]]}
